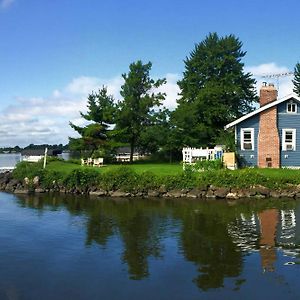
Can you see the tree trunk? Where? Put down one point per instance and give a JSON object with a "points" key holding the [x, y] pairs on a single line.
{"points": [[132, 144]]}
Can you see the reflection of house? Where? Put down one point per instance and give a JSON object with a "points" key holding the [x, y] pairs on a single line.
{"points": [[270, 135], [123, 154], [268, 224], [34, 155]]}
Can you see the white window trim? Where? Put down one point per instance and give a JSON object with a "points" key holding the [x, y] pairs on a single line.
{"points": [[291, 112], [242, 138], [293, 140]]}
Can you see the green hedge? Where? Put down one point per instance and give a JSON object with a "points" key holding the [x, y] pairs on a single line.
{"points": [[126, 179]]}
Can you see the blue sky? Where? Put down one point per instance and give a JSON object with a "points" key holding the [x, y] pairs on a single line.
{"points": [[54, 52]]}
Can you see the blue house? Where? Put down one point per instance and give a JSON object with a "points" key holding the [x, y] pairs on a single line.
{"points": [[269, 137]]}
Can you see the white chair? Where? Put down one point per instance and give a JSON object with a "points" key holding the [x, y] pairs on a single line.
{"points": [[98, 162]]}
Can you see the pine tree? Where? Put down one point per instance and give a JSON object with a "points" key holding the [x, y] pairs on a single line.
{"points": [[214, 90], [100, 112], [296, 80], [139, 99]]}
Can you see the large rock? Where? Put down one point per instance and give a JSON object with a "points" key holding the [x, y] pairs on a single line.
{"points": [[153, 193], [261, 190], [162, 189], [36, 181], [119, 194], [98, 193], [174, 193], [5, 178], [221, 192], [233, 196], [210, 195], [194, 193], [275, 194], [21, 191], [26, 181], [287, 194]]}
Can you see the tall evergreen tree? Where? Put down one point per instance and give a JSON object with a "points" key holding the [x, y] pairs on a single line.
{"points": [[296, 80], [214, 90], [100, 113], [136, 111]]}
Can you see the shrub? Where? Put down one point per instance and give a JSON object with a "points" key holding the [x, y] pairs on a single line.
{"points": [[147, 181], [49, 178], [82, 178], [206, 165], [238, 178], [27, 169], [122, 178]]}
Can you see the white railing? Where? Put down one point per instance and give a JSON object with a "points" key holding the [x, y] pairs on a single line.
{"points": [[191, 155]]}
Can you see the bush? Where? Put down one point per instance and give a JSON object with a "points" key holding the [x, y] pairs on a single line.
{"points": [[49, 179], [122, 178], [82, 178], [206, 165], [239, 178], [27, 169]]}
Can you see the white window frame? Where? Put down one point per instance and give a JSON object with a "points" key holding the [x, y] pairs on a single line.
{"points": [[293, 143], [242, 138], [287, 107]]}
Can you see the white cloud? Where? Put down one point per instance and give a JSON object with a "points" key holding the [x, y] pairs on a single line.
{"points": [[6, 3], [283, 83], [171, 89], [46, 120]]}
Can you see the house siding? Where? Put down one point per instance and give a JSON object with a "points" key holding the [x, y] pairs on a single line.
{"points": [[281, 108], [245, 155], [289, 120]]}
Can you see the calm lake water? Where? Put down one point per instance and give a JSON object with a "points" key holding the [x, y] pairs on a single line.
{"points": [[66, 247], [11, 159]]}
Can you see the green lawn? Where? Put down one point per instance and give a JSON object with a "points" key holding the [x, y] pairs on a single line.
{"points": [[156, 168]]}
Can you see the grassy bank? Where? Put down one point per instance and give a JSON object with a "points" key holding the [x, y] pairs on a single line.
{"points": [[156, 168], [149, 176]]}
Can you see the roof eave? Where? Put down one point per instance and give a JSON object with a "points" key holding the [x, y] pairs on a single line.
{"points": [[267, 106]]}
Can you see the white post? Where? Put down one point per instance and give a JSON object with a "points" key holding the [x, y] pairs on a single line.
{"points": [[45, 157]]}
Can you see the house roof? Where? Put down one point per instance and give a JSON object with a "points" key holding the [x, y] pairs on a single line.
{"points": [[125, 150], [259, 110], [40, 152]]}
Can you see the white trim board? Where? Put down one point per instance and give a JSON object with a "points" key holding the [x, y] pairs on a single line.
{"points": [[265, 107]]}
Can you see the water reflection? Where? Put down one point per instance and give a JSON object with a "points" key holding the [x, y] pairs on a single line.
{"points": [[268, 221], [215, 237]]}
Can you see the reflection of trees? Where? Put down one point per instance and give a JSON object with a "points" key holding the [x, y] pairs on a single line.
{"points": [[206, 242], [99, 228], [138, 228], [141, 240], [141, 224]]}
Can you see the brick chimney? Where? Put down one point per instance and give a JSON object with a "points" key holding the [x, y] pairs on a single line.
{"points": [[268, 93], [268, 137]]}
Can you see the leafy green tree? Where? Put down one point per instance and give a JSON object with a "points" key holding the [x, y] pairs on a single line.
{"points": [[100, 113], [214, 90], [160, 138], [296, 80], [136, 111]]}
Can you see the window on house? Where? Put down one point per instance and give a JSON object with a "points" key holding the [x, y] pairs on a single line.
{"points": [[291, 107], [247, 138], [288, 139]]}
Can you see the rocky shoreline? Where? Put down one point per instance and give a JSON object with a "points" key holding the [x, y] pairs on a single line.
{"points": [[9, 184]]}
